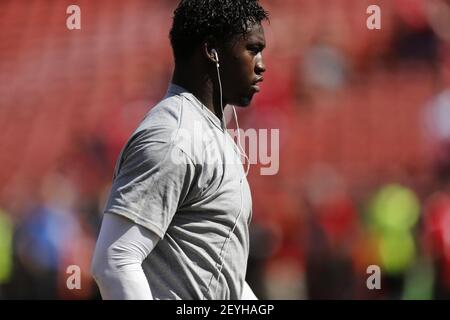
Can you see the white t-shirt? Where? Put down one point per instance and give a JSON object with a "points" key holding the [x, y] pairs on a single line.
{"points": [[180, 175]]}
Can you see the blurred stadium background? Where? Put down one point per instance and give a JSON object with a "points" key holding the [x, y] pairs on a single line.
{"points": [[364, 119]]}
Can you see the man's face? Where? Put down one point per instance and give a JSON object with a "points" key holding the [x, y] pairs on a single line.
{"points": [[242, 66]]}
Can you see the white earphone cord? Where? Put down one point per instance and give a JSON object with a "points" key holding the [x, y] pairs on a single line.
{"points": [[241, 150], [241, 153]]}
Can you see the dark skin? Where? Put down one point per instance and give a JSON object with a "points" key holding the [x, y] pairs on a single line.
{"points": [[241, 69]]}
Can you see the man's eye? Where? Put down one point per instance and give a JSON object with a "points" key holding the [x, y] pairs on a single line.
{"points": [[255, 51]]}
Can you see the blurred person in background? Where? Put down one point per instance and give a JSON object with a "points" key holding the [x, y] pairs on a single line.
{"points": [[436, 116], [6, 252], [331, 235], [49, 239], [176, 221], [394, 212], [436, 242]]}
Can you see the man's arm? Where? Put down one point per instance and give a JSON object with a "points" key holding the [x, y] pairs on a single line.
{"points": [[121, 248], [247, 293]]}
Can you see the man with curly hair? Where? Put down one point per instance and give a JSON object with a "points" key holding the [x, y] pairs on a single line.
{"points": [[175, 225]]}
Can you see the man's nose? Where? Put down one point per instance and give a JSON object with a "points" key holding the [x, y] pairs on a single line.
{"points": [[260, 66]]}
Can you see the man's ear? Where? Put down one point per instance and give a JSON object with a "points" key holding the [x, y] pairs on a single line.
{"points": [[210, 51]]}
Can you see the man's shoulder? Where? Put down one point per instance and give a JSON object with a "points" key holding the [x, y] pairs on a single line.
{"points": [[172, 112], [166, 113], [171, 122]]}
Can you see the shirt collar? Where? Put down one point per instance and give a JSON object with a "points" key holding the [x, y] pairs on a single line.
{"points": [[175, 89]]}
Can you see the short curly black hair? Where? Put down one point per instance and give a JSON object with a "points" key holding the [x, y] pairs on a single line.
{"points": [[197, 20]]}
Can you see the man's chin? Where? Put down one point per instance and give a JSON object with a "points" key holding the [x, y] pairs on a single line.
{"points": [[245, 101]]}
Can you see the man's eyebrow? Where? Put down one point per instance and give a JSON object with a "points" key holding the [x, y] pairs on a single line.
{"points": [[258, 43]]}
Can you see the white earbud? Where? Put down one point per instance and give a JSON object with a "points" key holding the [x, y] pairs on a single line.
{"points": [[216, 55]]}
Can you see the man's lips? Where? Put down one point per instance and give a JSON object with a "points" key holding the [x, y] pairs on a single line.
{"points": [[260, 79]]}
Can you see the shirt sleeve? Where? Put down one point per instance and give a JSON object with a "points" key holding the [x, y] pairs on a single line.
{"points": [[152, 180], [116, 265]]}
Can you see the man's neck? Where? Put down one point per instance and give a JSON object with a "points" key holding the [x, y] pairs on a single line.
{"points": [[200, 86]]}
